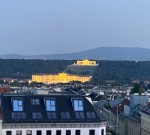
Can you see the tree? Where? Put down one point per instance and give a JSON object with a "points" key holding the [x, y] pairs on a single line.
{"points": [[137, 89]]}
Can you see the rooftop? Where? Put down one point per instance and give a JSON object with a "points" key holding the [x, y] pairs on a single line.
{"points": [[18, 108]]}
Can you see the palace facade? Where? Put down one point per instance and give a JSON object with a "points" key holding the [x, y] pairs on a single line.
{"points": [[86, 62], [59, 78]]}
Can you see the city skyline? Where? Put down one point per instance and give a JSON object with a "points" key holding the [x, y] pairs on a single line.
{"points": [[56, 27]]}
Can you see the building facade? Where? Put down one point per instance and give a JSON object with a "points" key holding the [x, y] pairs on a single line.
{"points": [[145, 121], [59, 78], [49, 115], [86, 62]]}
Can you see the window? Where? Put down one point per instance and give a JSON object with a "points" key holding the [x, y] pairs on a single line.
{"points": [[23, 115], [50, 105], [38, 132], [68, 132], [39, 115], [48, 132], [65, 115], [58, 132], [88, 114], [17, 105], [18, 115], [92, 132], [36, 115], [91, 115], [102, 132], [51, 115], [77, 132], [79, 115], [29, 132], [8, 133], [78, 104], [18, 132], [35, 102]]}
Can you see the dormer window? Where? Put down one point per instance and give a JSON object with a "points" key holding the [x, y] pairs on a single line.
{"points": [[50, 104], [17, 105], [35, 102], [78, 104]]}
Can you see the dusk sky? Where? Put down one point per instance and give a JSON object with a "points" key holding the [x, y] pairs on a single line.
{"points": [[60, 26]]}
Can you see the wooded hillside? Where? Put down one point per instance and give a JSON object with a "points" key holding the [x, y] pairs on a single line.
{"points": [[122, 71]]}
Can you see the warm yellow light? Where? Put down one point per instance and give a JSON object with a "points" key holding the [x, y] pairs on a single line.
{"points": [[59, 78], [86, 62]]}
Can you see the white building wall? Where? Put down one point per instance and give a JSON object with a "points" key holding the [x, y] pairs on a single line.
{"points": [[84, 131]]}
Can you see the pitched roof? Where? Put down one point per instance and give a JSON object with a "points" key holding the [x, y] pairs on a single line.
{"points": [[95, 96], [64, 104], [120, 107], [146, 109], [115, 102]]}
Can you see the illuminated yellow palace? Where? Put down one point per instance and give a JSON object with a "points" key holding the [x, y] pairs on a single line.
{"points": [[59, 78], [86, 62]]}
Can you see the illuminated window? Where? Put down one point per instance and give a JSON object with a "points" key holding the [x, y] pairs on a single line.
{"points": [[18, 132], [50, 105], [17, 105], [29, 132], [78, 104]]}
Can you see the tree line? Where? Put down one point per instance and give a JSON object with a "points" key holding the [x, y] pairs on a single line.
{"points": [[120, 71]]}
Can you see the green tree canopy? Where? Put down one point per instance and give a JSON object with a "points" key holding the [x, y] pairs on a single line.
{"points": [[137, 89]]}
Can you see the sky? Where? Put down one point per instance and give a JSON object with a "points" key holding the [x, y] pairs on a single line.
{"points": [[30, 27]]}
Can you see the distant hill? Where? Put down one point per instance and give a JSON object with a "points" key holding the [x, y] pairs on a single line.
{"points": [[101, 53]]}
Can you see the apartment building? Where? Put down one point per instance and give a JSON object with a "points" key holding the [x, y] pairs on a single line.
{"points": [[49, 115]]}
